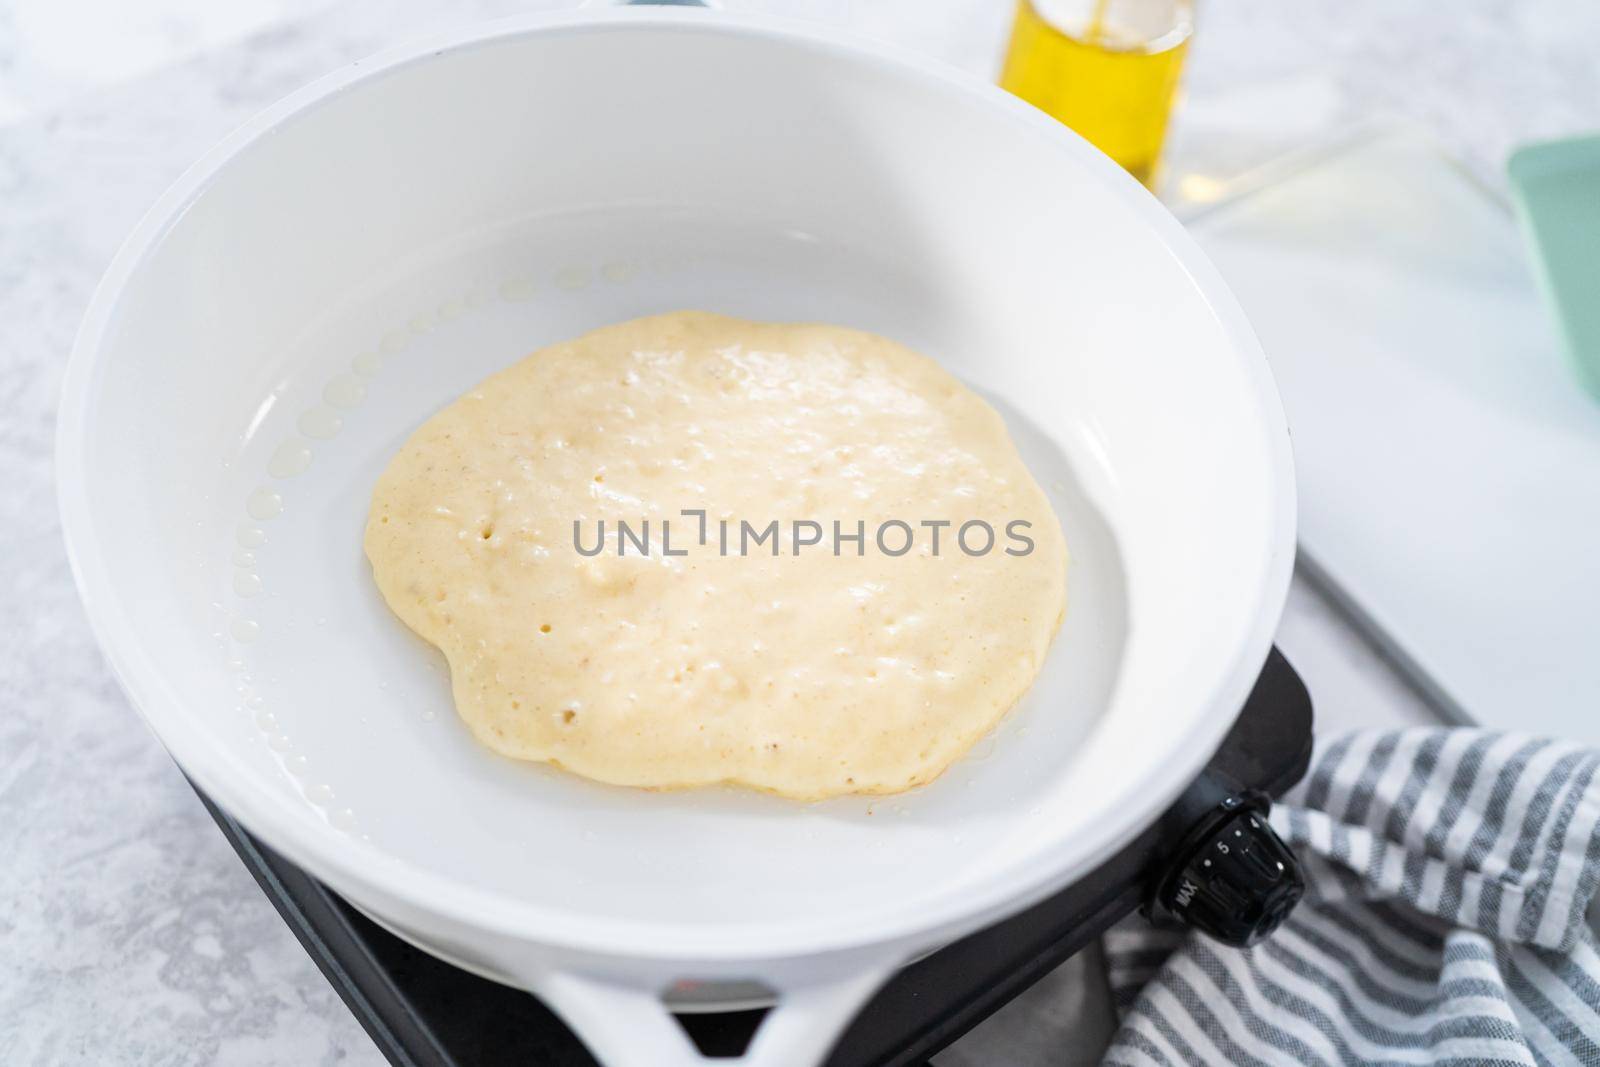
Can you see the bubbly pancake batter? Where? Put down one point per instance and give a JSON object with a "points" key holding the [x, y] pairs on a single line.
{"points": [[836, 665]]}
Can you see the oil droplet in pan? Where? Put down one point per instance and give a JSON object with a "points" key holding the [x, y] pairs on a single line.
{"points": [[320, 794], [245, 630], [246, 583], [515, 289], [264, 503], [321, 423], [291, 458], [573, 278], [345, 391], [251, 536], [367, 364], [392, 342], [243, 557]]}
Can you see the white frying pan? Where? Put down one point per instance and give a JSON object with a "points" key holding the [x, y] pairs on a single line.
{"points": [[366, 250]]}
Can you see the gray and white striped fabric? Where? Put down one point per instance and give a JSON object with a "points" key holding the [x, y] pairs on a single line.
{"points": [[1449, 872]]}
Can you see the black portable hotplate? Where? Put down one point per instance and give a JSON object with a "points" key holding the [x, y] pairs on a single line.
{"points": [[1208, 861]]}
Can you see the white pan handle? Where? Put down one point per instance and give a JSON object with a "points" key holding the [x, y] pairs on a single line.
{"points": [[715, 5], [629, 1026]]}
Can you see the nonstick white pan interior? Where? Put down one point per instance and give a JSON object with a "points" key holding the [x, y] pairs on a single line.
{"points": [[370, 250]]}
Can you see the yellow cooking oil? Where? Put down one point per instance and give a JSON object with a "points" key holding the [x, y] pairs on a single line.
{"points": [[1107, 68]]}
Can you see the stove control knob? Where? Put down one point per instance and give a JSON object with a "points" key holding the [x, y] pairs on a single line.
{"points": [[1234, 878]]}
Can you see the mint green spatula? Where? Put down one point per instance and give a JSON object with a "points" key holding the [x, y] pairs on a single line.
{"points": [[1557, 186]]}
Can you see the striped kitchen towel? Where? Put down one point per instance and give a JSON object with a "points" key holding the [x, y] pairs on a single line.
{"points": [[1448, 873]]}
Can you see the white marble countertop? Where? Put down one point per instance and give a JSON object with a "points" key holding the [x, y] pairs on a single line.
{"points": [[129, 933]]}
